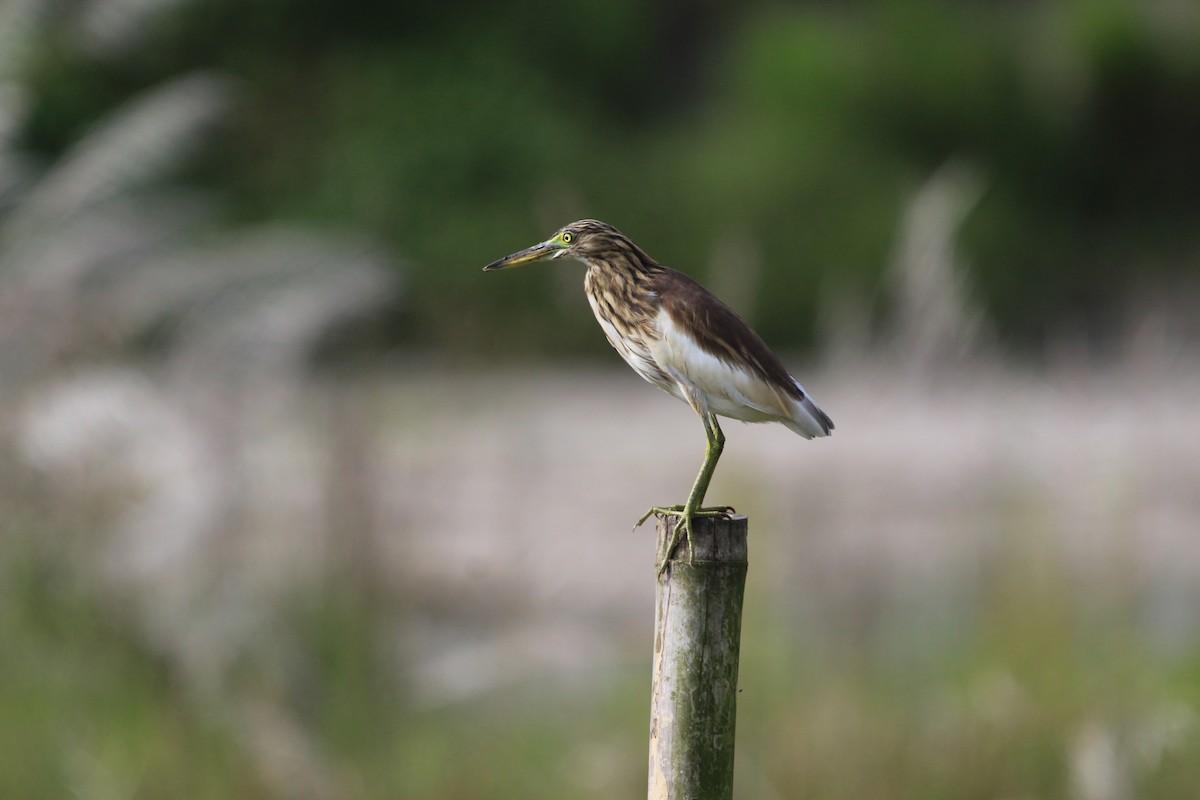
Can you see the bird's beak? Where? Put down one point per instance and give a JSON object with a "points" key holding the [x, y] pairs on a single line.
{"points": [[539, 252]]}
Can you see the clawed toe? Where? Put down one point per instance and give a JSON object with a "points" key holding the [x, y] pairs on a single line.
{"points": [[660, 512], [681, 511], [683, 529]]}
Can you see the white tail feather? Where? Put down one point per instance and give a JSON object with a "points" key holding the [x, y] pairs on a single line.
{"points": [[808, 419]]}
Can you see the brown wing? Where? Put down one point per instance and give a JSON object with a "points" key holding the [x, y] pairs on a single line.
{"points": [[719, 330]]}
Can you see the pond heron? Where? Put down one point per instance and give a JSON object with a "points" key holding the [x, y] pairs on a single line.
{"points": [[678, 336]]}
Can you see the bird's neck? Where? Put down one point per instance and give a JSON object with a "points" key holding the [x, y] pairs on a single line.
{"points": [[621, 290], [628, 279], [623, 268]]}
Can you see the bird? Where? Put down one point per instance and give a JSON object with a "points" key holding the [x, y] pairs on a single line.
{"points": [[680, 337]]}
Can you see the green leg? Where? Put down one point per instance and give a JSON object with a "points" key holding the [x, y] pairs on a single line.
{"points": [[694, 506]]}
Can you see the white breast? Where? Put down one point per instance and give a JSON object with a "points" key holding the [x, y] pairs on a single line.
{"points": [[636, 354]]}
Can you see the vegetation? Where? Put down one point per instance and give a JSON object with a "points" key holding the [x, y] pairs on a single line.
{"points": [[458, 132], [1044, 688], [227, 574]]}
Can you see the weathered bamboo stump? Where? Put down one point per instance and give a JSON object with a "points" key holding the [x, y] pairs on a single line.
{"points": [[697, 637]]}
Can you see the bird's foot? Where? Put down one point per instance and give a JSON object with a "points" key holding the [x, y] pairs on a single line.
{"points": [[679, 511], [682, 528]]}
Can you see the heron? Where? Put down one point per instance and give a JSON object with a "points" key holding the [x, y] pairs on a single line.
{"points": [[684, 340]]}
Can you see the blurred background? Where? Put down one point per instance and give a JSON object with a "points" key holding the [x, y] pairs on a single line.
{"points": [[295, 502]]}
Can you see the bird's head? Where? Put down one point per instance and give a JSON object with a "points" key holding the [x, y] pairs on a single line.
{"points": [[580, 240]]}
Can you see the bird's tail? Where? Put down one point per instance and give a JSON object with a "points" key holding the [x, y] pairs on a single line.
{"points": [[808, 419]]}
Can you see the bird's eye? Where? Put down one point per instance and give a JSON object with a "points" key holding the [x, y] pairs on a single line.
{"points": [[567, 238]]}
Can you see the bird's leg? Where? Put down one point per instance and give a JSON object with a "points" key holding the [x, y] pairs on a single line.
{"points": [[714, 445]]}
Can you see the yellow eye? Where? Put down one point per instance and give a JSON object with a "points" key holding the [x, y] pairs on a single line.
{"points": [[567, 238]]}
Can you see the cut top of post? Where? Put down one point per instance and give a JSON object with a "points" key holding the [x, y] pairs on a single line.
{"points": [[716, 540]]}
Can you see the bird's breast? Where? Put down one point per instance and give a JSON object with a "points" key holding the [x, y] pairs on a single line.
{"points": [[630, 333]]}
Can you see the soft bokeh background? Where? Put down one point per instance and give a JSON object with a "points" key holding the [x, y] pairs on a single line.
{"points": [[295, 502]]}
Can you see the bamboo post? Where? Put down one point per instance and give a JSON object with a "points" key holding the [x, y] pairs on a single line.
{"points": [[697, 636]]}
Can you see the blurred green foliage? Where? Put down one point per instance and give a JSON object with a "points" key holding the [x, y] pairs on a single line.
{"points": [[462, 131], [88, 708], [1004, 705]]}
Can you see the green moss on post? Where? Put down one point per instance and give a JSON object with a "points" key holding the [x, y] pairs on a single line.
{"points": [[697, 637]]}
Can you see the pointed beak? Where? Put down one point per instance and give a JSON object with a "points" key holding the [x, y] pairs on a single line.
{"points": [[539, 252]]}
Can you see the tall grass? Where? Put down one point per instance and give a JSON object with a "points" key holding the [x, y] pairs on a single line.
{"points": [[979, 619], [226, 574], [140, 342]]}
